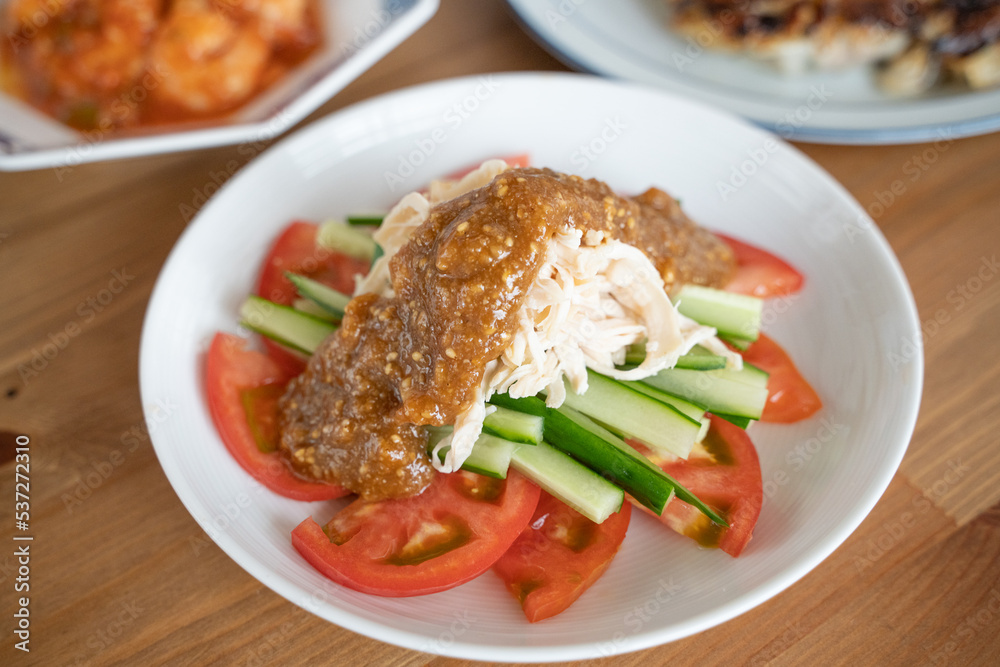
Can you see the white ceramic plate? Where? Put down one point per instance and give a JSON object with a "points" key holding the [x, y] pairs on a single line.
{"points": [[822, 476], [357, 33], [629, 39]]}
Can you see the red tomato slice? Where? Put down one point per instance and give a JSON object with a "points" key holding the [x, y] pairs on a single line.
{"points": [[243, 388], [558, 556], [519, 160], [759, 273], [725, 475], [790, 397], [295, 250], [451, 533]]}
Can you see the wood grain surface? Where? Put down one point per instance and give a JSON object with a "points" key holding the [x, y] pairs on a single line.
{"points": [[122, 574]]}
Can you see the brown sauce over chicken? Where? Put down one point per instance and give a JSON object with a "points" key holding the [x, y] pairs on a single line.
{"points": [[356, 415]]}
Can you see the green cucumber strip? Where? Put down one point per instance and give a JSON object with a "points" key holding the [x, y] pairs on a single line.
{"points": [[368, 220], [490, 455], [571, 482], [751, 375], [515, 426], [740, 344], [620, 445], [686, 408], [638, 416], [335, 235], [311, 308], [606, 454], [731, 314], [700, 361], [610, 456], [322, 295], [742, 422], [635, 353], [698, 358], [716, 391], [284, 324]]}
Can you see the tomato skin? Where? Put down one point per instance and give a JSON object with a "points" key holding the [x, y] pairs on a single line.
{"points": [[379, 554], [295, 250], [729, 482], [790, 397], [759, 273], [230, 370], [558, 556]]}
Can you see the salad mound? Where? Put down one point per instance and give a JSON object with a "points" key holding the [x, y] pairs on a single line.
{"points": [[527, 352], [508, 281]]}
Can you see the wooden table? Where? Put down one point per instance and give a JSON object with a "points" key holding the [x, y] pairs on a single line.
{"points": [[120, 572]]}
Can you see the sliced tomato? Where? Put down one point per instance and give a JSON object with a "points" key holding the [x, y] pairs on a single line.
{"points": [[790, 397], [558, 556], [243, 388], [519, 160], [759, 273], [451, 533], [295, 250], [724, 473]]}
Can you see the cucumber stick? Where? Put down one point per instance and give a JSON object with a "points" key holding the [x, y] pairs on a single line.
{"points": [[698, 359], [719, 392], [490, 455], [335, 235], [515, 426], [731, 314], [750, 374], [310, 308], [638, 416], [323, 296], [740, 344], [606, 454], [365, 220], [686, 408], [576, 485], [284, 324], [571, 482]]}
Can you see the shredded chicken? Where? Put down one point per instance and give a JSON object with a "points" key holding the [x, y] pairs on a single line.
{"points": [[593, 297]]}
